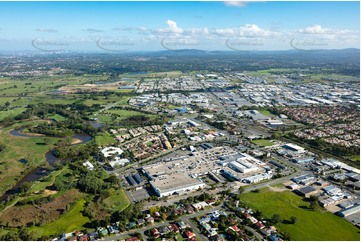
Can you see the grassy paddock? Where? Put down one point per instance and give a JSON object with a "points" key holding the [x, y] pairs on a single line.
{"points": [[262, 142], [310, 225], [104, 139], [73, 220], [118, 200]]}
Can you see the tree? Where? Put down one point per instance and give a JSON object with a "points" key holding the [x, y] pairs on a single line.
{"points": [[24, 187], [286, 236], [241, 189], [275, 218], [89, 183], [258, 214], [293, 219], [313, 204], [164, 216], [153, 210]]}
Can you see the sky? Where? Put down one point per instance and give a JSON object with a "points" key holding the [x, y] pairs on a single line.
{"points": [[152, 26]]}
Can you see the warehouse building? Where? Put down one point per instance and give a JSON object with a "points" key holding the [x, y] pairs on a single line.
{"points": [[307, 191], [166, 181], [349, 211], [175, 184], [293, 147]]}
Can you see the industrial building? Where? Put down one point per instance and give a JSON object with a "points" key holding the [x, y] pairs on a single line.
{"points": [[257, 178], [134, 180], [349, 211], [307, 191], [303, 159], [293, 147], [167, 181], [175, 184]]}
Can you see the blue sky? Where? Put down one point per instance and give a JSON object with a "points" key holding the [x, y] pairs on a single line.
{"points": [[118, 26]]}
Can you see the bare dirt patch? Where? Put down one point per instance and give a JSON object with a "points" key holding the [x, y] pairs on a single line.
{"points": [[48, 192], [76, 141], [277, 189]]}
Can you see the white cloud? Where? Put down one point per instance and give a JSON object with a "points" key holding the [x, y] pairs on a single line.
{"points": [[130, 28], [225, 32], [252, 30], [173, 27], [47, 30], [329, 34], [94, 30], [248, 30], [315, 29], [196, 31], [238, 4]]}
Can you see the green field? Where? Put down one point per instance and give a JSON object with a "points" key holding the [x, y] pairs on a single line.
{"points": [[353, 157], [17, 148], [262, 142], [125, 113], [11, 113], [265, 112], [118, 200], [73, 220], [104, 139], [43, 183], [310, 225], [57, 117], [37, 85]]}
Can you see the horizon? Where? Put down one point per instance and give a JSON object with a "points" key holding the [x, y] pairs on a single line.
{"points": [[37, 51], [128, 26]]}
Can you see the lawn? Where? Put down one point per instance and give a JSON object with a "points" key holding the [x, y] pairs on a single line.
{"points": [[57, 117], [104, 139], [125, 113], [11, 113], [310, 225], [118, 200], [262, 142], [265, 112], [73, 220]]}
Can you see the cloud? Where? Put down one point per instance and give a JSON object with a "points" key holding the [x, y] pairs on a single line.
{"points": [[94, 30], [196, 31], [225, 32], [172, 26], [315, 29], [47, 30], [238, 4], [248, 30], [318, 31], [130, 28], [252, 30]]}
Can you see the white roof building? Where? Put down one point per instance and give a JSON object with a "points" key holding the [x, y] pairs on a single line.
{"points": [[109, 151]]}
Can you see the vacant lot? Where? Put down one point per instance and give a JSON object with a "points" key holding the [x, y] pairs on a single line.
{"points": [[104, 139], [262, 142], [42, 213], [310, 225], [73, 220], [118, 200]]}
